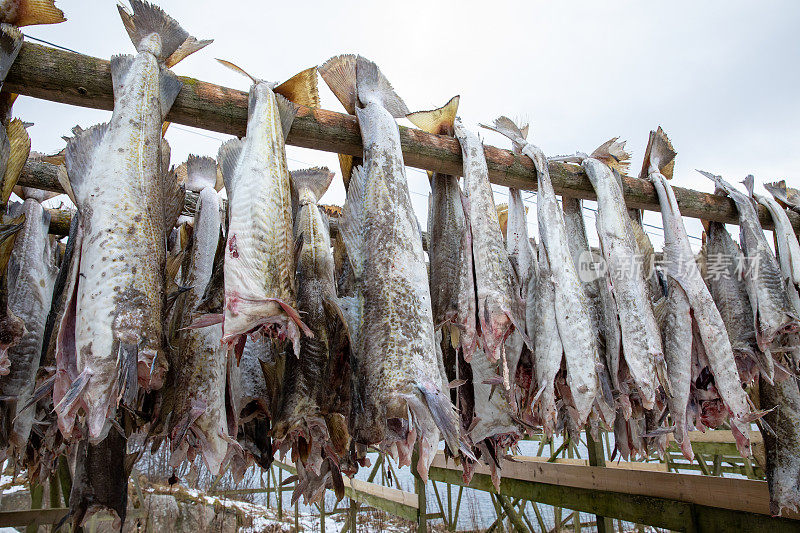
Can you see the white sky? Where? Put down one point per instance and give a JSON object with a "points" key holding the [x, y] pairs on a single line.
{"points": [[720, 77]]}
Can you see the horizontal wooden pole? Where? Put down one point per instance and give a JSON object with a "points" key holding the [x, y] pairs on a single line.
{"points": [[77, 79]]}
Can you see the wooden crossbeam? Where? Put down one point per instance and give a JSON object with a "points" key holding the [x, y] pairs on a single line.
{"points": [[81, 80]]}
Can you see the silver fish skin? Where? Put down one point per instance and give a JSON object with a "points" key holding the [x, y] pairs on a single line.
{"points": [[32, 274], [517, 241], [765, 284], [721, 261], [788, 247], [259, 260], [118, 285], [390, 321], [641, 338], [603, 308], [573, 314], [446, 236], [499, 304], [548, 350], [678, 338], [306, 377], [199, 414], [682, 267], [782, 403]]}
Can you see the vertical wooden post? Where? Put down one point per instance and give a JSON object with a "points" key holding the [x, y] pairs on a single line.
{"points": [[37, 494], [297, 514], [596, 458], [55, 494], [353, 515], [322, 515], [419, 488], [279, 488], [269, 486], [64, 478], [450, 524]]}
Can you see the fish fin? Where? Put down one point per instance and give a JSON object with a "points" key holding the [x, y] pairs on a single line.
{"points": [[79, 156], [749, 184], [127, 357], [346, 164], [42, 392], [147, 19], [659, 154], [120, 65], [439, 121], [505, 126], [69, 401], [20, 149], [287, 110], [351, 223], [187, 48], [10, 45], [373, 86], [31, 12], [316, 180], [238, 69], [169, 87], [351, 311], [301, 88], [63, 180], [174, 196], [228, 157], [339, 73], [443, 414], [205, 320], [201, 172]]}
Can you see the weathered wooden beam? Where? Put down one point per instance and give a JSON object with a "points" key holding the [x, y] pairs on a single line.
{"points": [[77, 79]]}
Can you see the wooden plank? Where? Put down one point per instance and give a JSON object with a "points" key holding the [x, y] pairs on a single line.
{"points": [[33, 517], [77, 79], [745, 495], [658, 512]]}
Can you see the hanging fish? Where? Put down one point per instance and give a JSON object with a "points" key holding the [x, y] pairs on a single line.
{"points": [[112, 336], [394, 362], [572, 313], [32, 273], [259, 259]]}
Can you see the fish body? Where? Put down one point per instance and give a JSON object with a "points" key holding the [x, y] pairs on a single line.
{"points": [[788, 247], [765, 284], [395, 368], [32, 274], [200, 366], [259, 260], [113, 333], [306, 377], [641, 338], [782, 444], [446, 237], [499, 308], [573, 316], [682, 268], [723, 258]]}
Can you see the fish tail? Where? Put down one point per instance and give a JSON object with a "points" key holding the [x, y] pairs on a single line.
{"points": [[201, 172], [505, 126], [20, 150], [373, 86], [10, 45], [30, 12], [311, 181], [339, 73], [439, 121], [301, 88], [78, 158], [173, 43]]}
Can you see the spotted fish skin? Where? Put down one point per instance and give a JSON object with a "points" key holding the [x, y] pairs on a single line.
{"points": [[782, 403], [32, 274], [112, 336], [200, 364], [395, 367]]}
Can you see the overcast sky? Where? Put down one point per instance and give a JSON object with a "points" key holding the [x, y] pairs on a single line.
{"points": [[720, 77]]}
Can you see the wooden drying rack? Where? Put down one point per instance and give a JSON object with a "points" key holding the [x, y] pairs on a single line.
{"points": [[77, 79]]}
